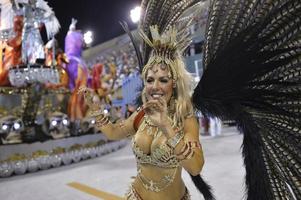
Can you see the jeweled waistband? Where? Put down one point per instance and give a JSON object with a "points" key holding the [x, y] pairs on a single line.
{"points": [[132, 194]]}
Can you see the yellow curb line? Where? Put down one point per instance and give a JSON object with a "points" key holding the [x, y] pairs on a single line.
{"points": [[94, 192]]}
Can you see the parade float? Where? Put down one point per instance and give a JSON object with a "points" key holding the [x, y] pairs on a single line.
{"points": [[42, 119]]}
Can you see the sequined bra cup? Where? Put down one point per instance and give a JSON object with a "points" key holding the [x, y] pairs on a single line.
{"points": [[161, 156], [158, 157]]}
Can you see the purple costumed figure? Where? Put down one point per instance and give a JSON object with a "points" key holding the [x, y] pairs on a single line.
{"points": [[77, 71], [73, 49]]}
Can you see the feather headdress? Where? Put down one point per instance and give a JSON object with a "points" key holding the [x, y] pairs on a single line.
{"points": [[164, 29]]}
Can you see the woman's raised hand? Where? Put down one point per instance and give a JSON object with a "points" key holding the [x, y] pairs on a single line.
{"points": [[91, 99], [156, 110]]}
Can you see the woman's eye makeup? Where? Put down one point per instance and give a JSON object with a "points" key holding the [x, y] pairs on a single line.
{"points": [[162, 80], [149, 80]]}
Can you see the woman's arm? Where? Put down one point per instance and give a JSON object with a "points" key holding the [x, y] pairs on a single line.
{"points": [[195, 164], [119, 130], [189, 146], [113, 131]]}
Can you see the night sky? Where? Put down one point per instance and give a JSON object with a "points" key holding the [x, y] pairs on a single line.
{"points": [[100, 16]]}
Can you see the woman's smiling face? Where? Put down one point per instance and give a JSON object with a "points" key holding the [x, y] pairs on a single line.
{"points": [[158, 83]]}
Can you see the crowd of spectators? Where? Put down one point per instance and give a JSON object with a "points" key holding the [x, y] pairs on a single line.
{"points": [[115, 67]]}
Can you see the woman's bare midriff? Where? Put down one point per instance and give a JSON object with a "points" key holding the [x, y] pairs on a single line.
{"points": [[175, 191]]}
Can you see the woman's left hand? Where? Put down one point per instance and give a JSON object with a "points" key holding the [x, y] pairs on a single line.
{"points": [[91, 99], [156, 110]]}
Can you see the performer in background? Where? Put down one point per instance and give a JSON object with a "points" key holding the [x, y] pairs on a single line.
{"points": [[24, 41], [252, 75], [76, 69], [12, 52], [59, 62], [11, 26], [36, 13], [97, 71]]}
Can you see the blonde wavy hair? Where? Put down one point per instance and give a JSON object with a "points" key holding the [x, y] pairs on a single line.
{"points": [[181, 93]]}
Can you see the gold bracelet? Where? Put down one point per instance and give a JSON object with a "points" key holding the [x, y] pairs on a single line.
{"points": [[187, 150], [96, 113], [183, 149], [102, 121]]}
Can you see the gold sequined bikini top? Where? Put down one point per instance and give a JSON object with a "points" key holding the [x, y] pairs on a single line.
{"points": [[161, 156]]}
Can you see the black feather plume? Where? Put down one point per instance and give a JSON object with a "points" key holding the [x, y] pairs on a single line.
{"points": [[203, 187], [252, 75], [134, 42]]}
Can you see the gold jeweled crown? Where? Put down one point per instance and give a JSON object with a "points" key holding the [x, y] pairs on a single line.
{"points": [[166, 47]]}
